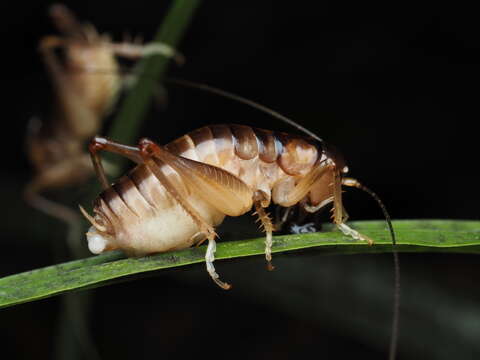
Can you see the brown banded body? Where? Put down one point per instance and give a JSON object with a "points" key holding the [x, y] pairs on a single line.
{"points": [[83, 69], [179, 192]]}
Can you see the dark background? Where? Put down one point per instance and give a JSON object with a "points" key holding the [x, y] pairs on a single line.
{"points": [[393, 85]]}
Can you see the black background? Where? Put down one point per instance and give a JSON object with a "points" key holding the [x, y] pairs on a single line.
{"points": [[393, 84]]}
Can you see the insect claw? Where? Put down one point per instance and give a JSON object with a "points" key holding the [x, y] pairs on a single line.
{"points": [[270, 267], [223, 285], [209, 258]]}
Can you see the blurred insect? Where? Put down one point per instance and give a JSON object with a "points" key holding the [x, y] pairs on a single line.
{"points": [[83, 98]]}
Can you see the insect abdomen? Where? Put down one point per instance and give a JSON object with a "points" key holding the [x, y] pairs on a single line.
{"points": [[143, 218], [235, 147]]}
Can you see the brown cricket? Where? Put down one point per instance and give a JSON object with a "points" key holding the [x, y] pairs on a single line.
{"points": [[86, 81], [178, 193]]}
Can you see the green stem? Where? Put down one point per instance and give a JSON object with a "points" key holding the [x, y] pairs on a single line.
{"points": [[125, 128], [73, 335]]}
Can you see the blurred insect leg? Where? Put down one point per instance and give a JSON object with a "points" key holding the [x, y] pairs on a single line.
{"points": [[47, 47], [66, 173], [268, 228], [49, 207], [49, 43], [103, 144], [65, 20], [135, 51], [148, 151], [340, 216]]}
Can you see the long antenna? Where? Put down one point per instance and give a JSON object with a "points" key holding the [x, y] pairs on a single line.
{"points": [[345, 181], [396, 291], [242, 100]]}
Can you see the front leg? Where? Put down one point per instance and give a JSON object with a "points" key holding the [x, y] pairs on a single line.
{"points": [[340, 216]]}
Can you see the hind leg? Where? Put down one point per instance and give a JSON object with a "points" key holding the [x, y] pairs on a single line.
{"points": [[149, 151], [103, 144]]}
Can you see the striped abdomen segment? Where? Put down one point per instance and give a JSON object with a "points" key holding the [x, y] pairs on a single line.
{"points": [[143, 218], [131, 197], [219, 144]]}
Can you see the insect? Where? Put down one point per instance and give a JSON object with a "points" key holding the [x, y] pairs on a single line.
{"points": [[83, 98], [179, 192]]}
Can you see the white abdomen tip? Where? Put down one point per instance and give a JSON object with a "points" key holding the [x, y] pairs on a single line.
{"points": [[96, 242]]}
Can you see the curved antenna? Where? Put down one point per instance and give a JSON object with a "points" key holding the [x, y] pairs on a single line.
{"points": [[396, 291], [228, 95], [345, 181], [253, 104]]}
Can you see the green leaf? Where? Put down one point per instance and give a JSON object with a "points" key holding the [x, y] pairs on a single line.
{"points": [[412, 236]]}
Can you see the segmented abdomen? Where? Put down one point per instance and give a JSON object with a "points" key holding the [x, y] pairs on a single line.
{"points": [[236, 148], [262, 159]]}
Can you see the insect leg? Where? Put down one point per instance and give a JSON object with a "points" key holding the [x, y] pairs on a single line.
{"points": [[102, 144], [59, 211], [267, 227], [67, 172], [65, 20], [149, 150], [281, 216], [135, 51], [46, 47], [340, 216]]}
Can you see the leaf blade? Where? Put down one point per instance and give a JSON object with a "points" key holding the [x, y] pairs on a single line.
{"points": [[413, 236]]}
